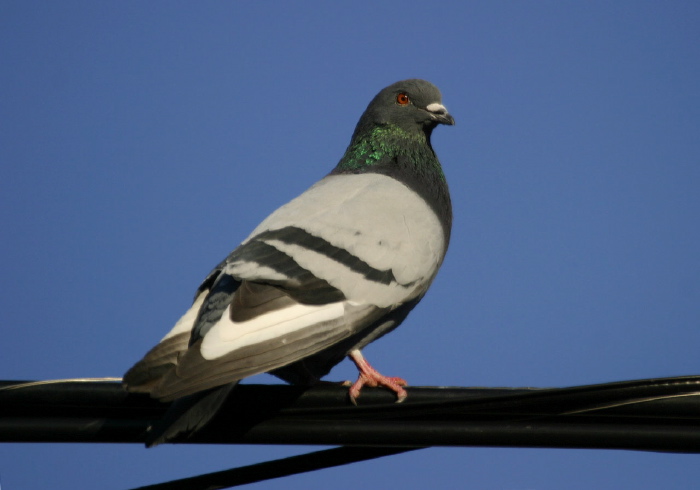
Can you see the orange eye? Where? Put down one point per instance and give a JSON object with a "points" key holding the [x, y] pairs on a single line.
{"points": [[402, 99]]}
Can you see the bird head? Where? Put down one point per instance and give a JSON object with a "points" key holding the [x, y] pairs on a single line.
{"points": [[413, 105]]}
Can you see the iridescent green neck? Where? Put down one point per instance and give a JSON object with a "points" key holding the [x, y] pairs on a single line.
{"points": [[380, 144], [404, 156]]}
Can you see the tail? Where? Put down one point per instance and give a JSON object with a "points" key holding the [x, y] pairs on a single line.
{"points": [[188, 414]]}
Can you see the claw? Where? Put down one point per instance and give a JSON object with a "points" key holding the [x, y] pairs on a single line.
{"points": [[371, 377]]}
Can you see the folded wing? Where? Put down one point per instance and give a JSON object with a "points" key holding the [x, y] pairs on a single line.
{"points": [[319, 270]]}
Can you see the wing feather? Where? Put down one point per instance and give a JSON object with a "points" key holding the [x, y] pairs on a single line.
{"points": [[195, 373], [315, 274]]}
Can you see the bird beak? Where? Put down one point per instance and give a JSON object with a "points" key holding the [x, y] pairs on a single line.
{"points": [[440, 114]]}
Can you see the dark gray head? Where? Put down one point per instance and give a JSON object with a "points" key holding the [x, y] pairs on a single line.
{"points": [[413, 105]]}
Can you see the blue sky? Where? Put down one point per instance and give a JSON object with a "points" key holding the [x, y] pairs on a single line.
{"points": [[141, 141]]}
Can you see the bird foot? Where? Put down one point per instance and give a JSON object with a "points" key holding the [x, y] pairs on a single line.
{"points": [[371, 377]]}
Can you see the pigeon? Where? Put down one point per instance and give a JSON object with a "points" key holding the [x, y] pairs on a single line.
{"points": [[320, 278]]}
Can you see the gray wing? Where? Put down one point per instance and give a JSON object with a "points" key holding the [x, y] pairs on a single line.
{"points": [[314, 274]]}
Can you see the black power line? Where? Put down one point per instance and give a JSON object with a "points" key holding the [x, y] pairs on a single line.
{"points": [[652, 414], [278, 468]]}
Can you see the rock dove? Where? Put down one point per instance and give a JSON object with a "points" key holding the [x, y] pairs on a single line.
{"points": [[323, 276]]}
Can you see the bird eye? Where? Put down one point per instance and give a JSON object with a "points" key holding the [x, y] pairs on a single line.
{"points": [[402, 99]]}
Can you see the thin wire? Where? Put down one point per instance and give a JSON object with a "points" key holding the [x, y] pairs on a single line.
{"points": [[279, 468], [634, 401], [31, 384]]}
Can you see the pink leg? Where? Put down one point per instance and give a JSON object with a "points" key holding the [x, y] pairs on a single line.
{"points": [[371, 377]]}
